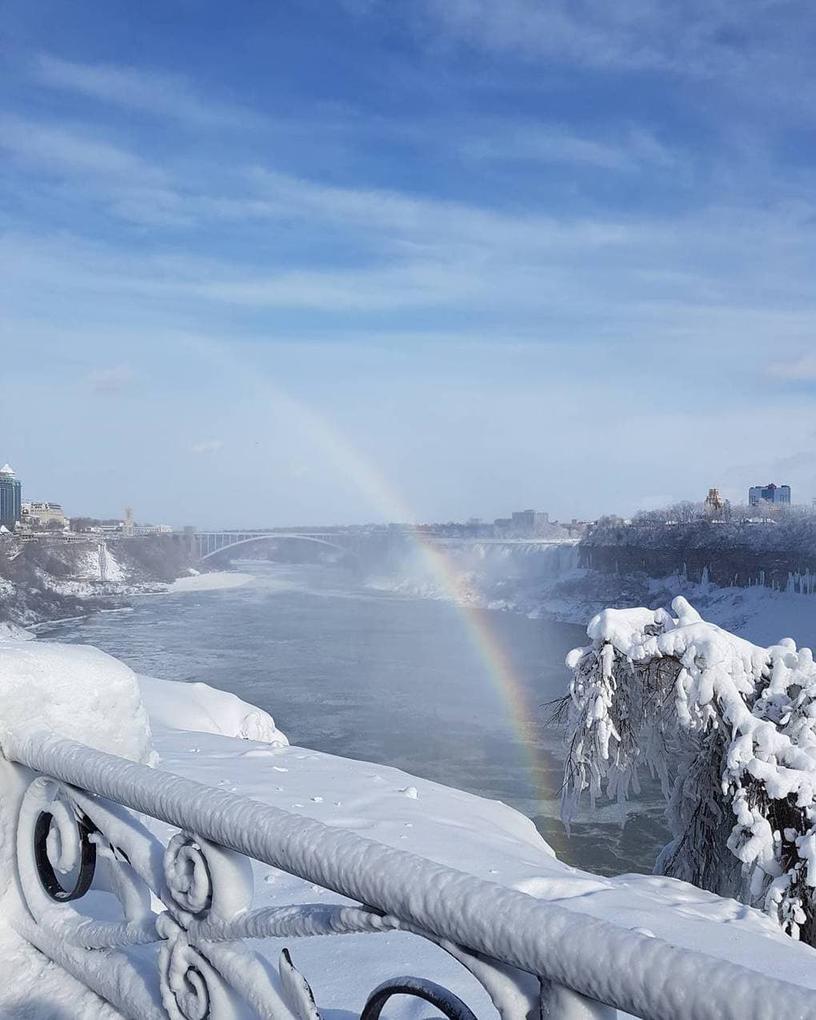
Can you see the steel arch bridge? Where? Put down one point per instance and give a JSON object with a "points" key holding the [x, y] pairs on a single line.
{"points": [[208, 544]]}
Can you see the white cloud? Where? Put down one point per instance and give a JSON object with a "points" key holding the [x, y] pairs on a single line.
{"points": [[149, 91]]}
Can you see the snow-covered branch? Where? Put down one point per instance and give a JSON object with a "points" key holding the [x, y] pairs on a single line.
{"points": [[730, 730]]}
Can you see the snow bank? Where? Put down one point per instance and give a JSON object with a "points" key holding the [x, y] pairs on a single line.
{"points": [[72, 690], [203, 709], [75, 691], [210, 582]]}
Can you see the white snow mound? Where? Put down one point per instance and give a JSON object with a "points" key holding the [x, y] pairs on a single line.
{"points": [[75, 691], [204, 709]]}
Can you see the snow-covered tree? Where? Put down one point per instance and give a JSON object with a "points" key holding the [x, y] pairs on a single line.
{"points": [[730, 731]]}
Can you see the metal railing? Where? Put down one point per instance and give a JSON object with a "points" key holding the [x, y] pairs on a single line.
{"points": [[78, 831]]}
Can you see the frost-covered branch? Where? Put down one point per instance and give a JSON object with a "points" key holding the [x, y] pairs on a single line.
{"points": [[730, 731]]}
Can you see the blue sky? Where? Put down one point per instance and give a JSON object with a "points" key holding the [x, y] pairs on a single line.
{"points": [[352, 260]]}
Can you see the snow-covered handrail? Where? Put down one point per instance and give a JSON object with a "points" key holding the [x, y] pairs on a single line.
{"points": [[507, 938]]}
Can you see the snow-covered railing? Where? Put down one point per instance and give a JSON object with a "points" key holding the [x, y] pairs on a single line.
{"points": [[78, 836]]}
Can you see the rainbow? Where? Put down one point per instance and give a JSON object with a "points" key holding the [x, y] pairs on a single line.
{"points": [[382, 496], [490, 650]]}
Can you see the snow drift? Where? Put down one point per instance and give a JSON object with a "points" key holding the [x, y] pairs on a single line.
{"points": [[74, 691], [200, 708]]}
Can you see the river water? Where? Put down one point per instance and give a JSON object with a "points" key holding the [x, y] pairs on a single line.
{"points": [[383, 677]]}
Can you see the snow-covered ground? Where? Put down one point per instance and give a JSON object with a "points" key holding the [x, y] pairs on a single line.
{"points": [[210, 582], [761, 615], [200, 733]]}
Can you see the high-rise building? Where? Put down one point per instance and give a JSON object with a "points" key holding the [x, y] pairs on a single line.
{"points": [[10, 498], [714, 503], [528, 522], [770, 493]]}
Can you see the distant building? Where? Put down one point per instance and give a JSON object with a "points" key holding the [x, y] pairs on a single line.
{"points": [[715, 505], [10, 498], [43, 515], [528, 522], [776, 494], [153, 529]]}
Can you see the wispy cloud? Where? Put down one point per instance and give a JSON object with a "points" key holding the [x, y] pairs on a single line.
{"points": [[754, 57], [152, 92], [633, 149], [65, 149], [696, 37]]}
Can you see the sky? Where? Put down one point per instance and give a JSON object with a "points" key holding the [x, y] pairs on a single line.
{"points": [[320, 261]]}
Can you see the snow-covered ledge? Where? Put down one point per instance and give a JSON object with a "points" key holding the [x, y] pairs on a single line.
{"points": [[104, 826]]}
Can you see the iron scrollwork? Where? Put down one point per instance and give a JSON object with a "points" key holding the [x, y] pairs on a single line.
{"points": [[192, 900]]}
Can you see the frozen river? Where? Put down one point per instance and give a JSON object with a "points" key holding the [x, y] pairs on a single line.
{"points": [[383, 677]]}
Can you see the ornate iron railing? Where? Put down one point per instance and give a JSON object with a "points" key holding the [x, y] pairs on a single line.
{"points": [[178, 945]]}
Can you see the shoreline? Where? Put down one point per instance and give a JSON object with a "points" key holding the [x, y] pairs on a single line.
{"points": [[217, 580]]}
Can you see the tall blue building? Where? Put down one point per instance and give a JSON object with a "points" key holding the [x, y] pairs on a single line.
{"points": [[10, 498], [771, 493]]}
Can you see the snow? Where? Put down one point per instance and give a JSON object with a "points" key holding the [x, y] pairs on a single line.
{"points": [[196, 707], [218, 579], [753, 704], [214, 738], [762, 615], [41, 990], [75, 691]]}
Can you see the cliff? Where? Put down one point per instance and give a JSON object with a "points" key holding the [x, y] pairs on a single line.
{"points": [[777, 553], [51, 578]]}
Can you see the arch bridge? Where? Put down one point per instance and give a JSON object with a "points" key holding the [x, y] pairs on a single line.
{"points": [[208, 544]]}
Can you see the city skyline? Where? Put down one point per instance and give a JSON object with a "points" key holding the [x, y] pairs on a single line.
{"points": [[527, 521], [361, 260]]}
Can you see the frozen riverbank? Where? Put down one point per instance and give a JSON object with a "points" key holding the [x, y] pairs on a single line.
{"points": [[55, 578]]}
